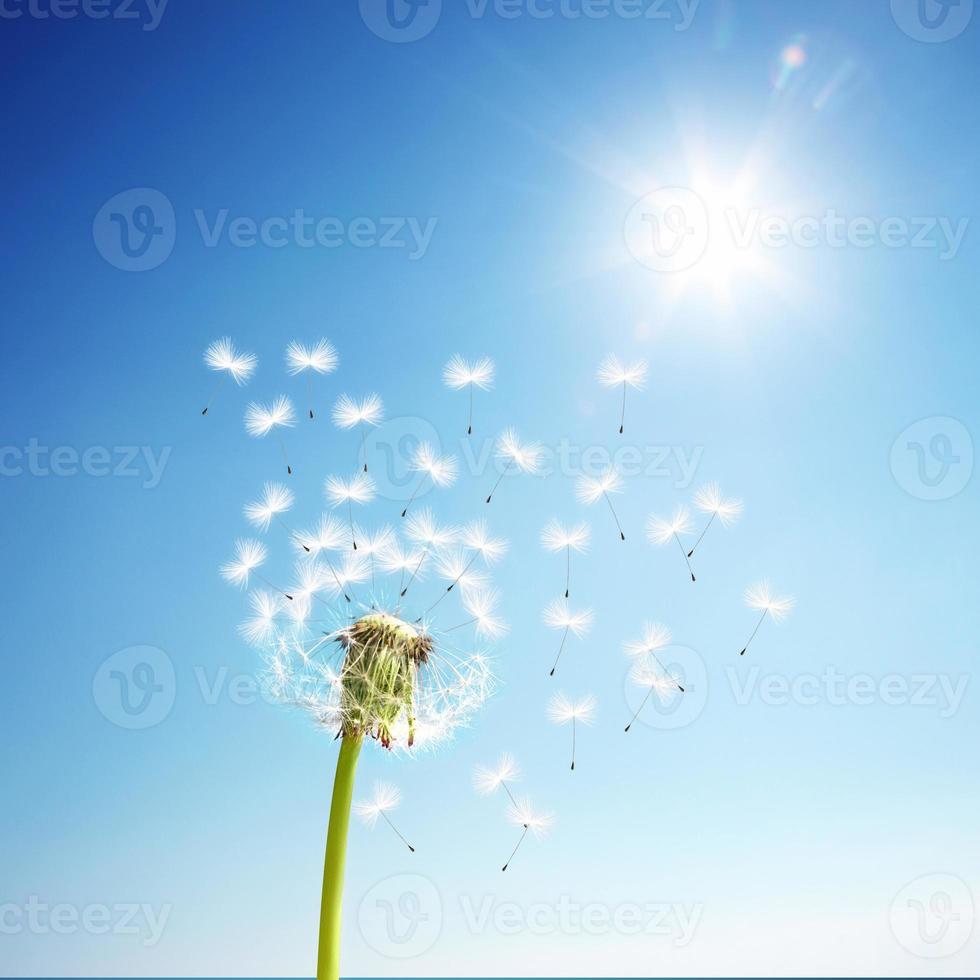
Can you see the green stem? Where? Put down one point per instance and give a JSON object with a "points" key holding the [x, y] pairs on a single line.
{"points": [[328, 950]]}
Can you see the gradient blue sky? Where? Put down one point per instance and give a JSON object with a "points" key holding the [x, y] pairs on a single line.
{"points": [[792, 828]]}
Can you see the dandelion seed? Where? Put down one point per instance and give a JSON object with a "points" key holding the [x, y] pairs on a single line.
{"points": [[525, 457], [709, 500], [322, 358], [249, 556], [655, 637], [459, 374], [555, 537], [487, 781], [561, 711], [476, 537], [760, 598], [646, 674], [441, 470], [259, 628], [260, 420], [522, 814], [422, 529], [222, 356], [349, 414], [482, 607], [590, 490], [397, 561], [661, 532], [374, 545], [386, 798], [360, 489], [558, 616], [276, 500], [613, 373]]}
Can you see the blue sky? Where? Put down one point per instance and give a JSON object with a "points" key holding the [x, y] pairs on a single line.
{"points": [[771, 833]]}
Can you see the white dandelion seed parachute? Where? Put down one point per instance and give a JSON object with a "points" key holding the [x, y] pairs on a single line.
{"points": [[260, 420], [559, 616], [760, 597], [525, 457], [613, 372], [556, 537], [709, 500], [562, 711], [321, 358], [222, 357], [351, 414], [459, 374], [661, 531]]}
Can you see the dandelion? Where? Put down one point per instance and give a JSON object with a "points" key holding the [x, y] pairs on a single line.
{"points": [[441, 470], [386, 798], [646, 674], [655, 637], [561, 711], [322, 358], [760, 598], [374, 545], [398, 561], [558, 616], [456, 568], [249, 557], [661, 532], [556, 537], [349, 414], [709, 500], [526, 457], [260, 420], [487, 781], [613, 373], [476, 537], [459, 374], [259, 628], [360, 489], [222, 356], [276, 500], [522, 814], [590, 490]]}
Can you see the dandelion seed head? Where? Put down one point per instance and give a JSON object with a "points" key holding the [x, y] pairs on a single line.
{"points": [[359, 489], [487, 780], [709, 500], [660, 531], [655, 637], [523, 814], [276, 499], [476, 536], [591, 489], [348, 413], [222, 356], [525, 456], [559, 616], [260, 420], [557, 537], [760, 597], [443, 470], [385, 799], [321, 358], [249, 555], [459, 374], [613, 372], [562, 711]]}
